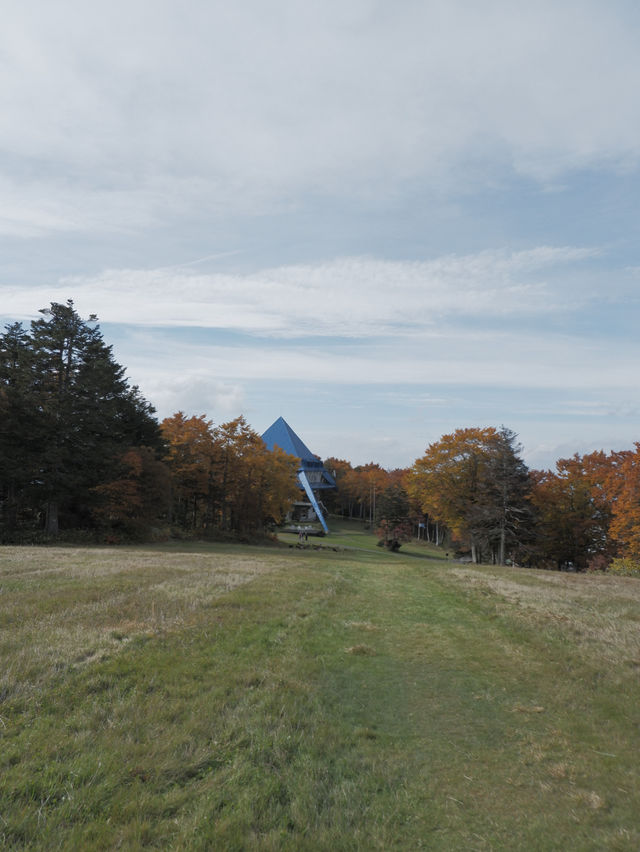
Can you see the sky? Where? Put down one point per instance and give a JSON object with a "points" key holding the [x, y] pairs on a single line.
{"points": [[381, 221]]}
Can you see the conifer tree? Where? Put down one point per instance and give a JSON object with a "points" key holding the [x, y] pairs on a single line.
{"points": [[19, 422], [70, 414], [501, 517]]}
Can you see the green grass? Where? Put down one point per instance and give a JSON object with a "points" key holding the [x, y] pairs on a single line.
{"points": [[212, 697], [354, 534]]}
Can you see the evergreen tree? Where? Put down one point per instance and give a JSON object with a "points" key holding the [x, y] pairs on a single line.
{"points": [[71, 411], [501, 518], [20, 421]]}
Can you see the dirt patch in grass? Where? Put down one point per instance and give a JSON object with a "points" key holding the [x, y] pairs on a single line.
{"points": [[362, 625], [362, 650]]}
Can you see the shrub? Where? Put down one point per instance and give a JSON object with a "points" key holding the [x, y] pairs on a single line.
{"points": [[391, 534], [625, 566], [599, 562]]}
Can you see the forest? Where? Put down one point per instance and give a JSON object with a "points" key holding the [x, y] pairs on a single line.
{"points": [[84, 457]]}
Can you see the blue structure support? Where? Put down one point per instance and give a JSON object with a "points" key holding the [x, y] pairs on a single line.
{"points": [[302, 476]]}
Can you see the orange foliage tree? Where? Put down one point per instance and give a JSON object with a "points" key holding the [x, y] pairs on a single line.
{"points": [[474, 481], [191, 457], [137, 498], [622, 486], [357, 488], [224, 477], [573, 511], [366, 483], [254, 485]]}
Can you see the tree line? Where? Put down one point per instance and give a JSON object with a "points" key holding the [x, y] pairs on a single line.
{"points": [[81, 449], [472, 491]]}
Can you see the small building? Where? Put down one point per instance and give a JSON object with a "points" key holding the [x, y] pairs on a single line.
{"points": [[312, 475]]}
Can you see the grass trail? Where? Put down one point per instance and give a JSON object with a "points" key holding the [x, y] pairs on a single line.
{"points": [[228, 698]]}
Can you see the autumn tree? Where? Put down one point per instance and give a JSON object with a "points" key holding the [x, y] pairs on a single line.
{"points": [[255, 484], [572, 512], [192, 457], [224, 477], [622, 488], [365, 482], [393, 520], [474, 482], [137, 497], [445, 481]]}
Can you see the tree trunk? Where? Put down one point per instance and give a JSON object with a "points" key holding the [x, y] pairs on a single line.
{"points": [[502, 545], [51, 521], [9, 508]]}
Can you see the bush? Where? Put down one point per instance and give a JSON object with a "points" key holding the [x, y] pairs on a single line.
{"points": [[599, 562], [625, 566], [392, 533]]}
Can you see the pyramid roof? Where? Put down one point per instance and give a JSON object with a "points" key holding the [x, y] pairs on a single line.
{"points": [[280, 434]]}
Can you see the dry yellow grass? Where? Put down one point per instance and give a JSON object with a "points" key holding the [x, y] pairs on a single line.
{"points": [[362, 650], [601, 611], [362, 625], [100, 599]]}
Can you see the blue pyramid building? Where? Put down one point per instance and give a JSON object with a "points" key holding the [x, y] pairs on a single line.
{"points": [[312, 475]]}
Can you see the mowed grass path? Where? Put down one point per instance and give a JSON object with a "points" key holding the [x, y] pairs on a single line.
{"points": [[246, 698]]}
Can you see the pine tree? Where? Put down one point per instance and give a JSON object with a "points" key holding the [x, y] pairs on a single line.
{"points": [[71, 414], [501, 518], [20, 421]]}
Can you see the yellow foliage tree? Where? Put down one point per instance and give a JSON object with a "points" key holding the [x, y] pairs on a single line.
{"points": [[473, 481], [191, 457], [224, 476], [623, 490]]}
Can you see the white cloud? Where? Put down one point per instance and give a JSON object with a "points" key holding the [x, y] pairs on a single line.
{"points": [[195, 392], [35, 208], [509, 362], [245, 106], [350, 297]]}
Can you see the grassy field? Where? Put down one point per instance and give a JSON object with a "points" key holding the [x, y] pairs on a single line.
{"points": [[355, 535], [218, 697]]}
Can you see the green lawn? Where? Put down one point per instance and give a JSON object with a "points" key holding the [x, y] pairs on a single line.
{"points": [[218, 697], [354, 534]]}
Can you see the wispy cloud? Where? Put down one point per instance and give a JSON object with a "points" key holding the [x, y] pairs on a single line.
{"points": [[349, 297], [507, 360]]}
